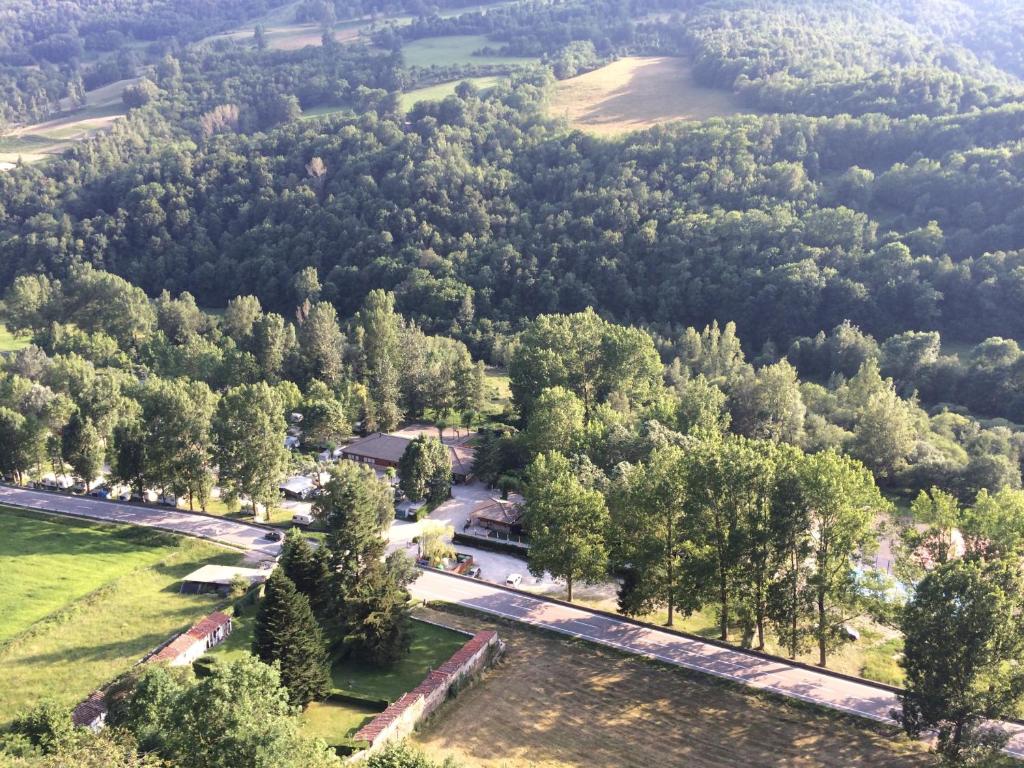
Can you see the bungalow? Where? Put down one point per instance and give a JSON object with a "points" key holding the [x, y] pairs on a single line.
{"points": [[503, 516], [218, 578], [189, 646]]}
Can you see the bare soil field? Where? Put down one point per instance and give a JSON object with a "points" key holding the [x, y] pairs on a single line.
{"points": [[554, 702], [637, 92]]}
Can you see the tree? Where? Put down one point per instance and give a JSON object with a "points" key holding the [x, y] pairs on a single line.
{"points": [[323, 416], [321, 343], [768, 405], [379, 333], [139, 94], [82, 447], [647, 535], [249, 429], [884, 431], [963, 643], [566, 521], [436, 542], [376, 610], [724, 481], [425, 470], [584, 354], [844, 503], [130, 465], [237, 715], [556, 421], [308, 568], [287, 633], [701, 407], [15, 453]]}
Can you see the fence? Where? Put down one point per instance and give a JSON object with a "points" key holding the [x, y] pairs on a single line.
{"points": [[399, 719]]}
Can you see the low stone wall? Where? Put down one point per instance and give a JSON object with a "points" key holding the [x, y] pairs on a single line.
{"points": [[401, 717]]}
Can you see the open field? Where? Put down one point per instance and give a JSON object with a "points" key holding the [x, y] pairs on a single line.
{"points": [[496, 386], [635, 93], [455, 49], [10, 342], [83, 602], [443, 90], [32, 143], [283, 33], [555, 702]]}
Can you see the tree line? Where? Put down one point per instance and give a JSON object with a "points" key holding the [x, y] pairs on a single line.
{"points": [[165, 392]]}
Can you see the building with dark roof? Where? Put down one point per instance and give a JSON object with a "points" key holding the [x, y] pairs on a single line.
{"points": [[380, 450]]}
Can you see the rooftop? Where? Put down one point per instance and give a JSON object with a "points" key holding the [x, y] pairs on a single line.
{"points": [[223, 574]]}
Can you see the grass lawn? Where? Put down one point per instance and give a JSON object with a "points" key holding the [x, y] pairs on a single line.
{"points": [[499, 394], [323, 111], [442, 90], [553, 701], [431, 647], [10, 342], [335, 722], [85, 601], [455, 49], [634, 93]]}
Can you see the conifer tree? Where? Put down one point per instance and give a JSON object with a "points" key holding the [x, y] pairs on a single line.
{"points": [[287, 632]]}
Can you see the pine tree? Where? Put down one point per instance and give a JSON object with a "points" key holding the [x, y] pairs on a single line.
{"points": [[308, 569], [287, 632], [376, 610]]}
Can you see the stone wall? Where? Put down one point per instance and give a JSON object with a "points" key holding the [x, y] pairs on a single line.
{"points": [[401, 717]]}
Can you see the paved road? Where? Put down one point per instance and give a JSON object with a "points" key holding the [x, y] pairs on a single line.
{"points": [[795, 682], [229, 532], [807, 685]]}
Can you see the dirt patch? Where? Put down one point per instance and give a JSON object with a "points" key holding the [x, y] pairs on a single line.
{"points": [[637, 92], [554, 702]]}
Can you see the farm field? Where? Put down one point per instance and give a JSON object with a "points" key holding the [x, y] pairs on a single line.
{"points": [[454, 50], [442, 90], [36, 142], [283, 33], [634, 93], [11, 342], [555, 702], [85, 601]]}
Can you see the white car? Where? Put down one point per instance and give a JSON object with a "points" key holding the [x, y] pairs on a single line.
{"points": [[513, 580]]}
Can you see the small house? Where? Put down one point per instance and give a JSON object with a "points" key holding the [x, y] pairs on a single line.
{"points": [[504, 516], [190, 645], [91, 713]]}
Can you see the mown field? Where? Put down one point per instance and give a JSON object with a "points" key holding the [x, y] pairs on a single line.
{"points": [[455, 49], [84, 601], [36, 142], [637, 92], [11, 342], [442, 90], [555, 702]]}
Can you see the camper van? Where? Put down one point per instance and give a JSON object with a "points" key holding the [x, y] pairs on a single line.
{"points": [[302, 518]]}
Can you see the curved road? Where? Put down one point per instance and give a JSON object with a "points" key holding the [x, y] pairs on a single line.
{"points": [[862, 699], [228, 532]]}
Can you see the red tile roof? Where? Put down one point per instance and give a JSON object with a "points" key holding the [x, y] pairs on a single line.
{"points": [[186, 640], [86, 712]]}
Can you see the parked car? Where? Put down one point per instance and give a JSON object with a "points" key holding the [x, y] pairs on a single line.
{"points": [[513, 580], [273, 536], [168, 500], [475, 572], [302, 518], [124, 496], [462, 564]]}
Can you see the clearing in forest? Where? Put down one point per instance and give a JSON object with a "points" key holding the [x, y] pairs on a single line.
{"points": [[637, 92], [32, 143], [557, 702]]}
